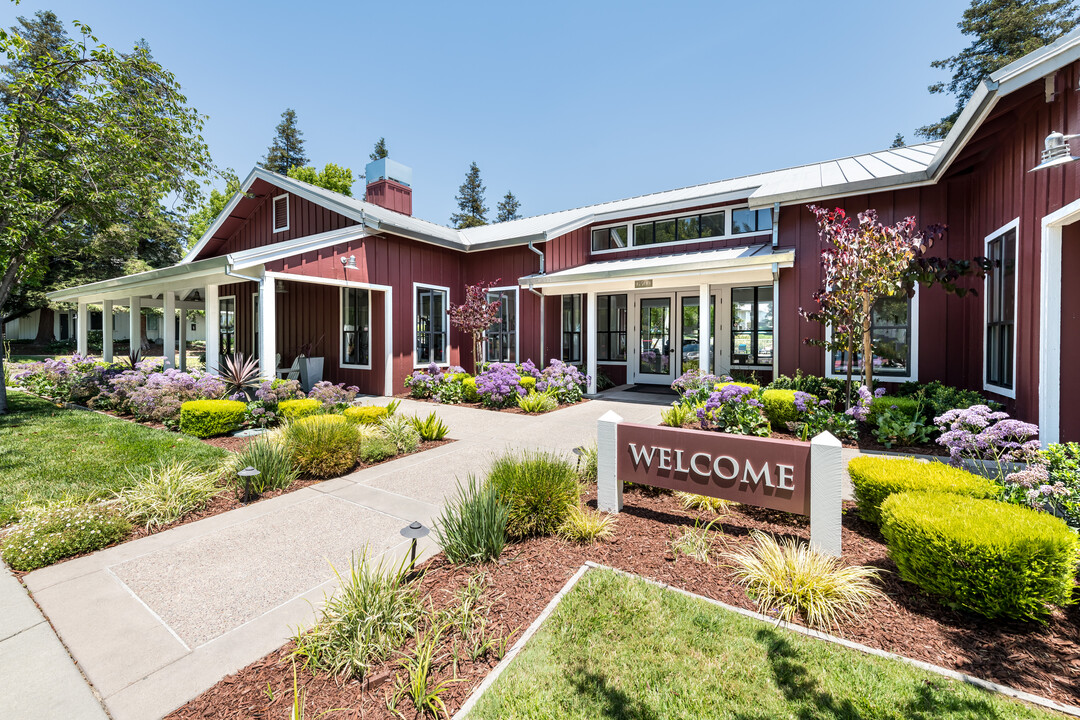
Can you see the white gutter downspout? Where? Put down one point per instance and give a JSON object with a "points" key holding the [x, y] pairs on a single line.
{"points": [[775, 228], [776, 315], [537, 293]]}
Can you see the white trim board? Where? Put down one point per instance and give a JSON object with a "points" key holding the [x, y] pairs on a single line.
{"points": [[517, 320], [1050, 321], [341, 328], [273, 213], [446, 324]]}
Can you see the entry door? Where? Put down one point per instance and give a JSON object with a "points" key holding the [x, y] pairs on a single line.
{"points": [[655, 352]]}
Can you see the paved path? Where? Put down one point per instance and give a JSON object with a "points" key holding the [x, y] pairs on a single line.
{"points": [[154, 622]]}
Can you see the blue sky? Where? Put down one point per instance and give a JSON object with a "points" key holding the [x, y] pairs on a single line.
{"points": [[566, 104]]}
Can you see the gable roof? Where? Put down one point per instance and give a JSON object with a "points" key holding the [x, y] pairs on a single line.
{"points": [[910, 166]]}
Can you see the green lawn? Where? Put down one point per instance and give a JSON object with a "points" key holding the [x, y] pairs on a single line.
{"points": [[618, 647], [50, 453]]}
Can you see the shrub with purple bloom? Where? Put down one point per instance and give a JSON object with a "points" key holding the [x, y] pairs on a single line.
{"points": [[979, 433], [734, 409], [499, 385], [694, 387], [272, 392], [1051, 482], [565, 381], [333, 396], [861, 409]]}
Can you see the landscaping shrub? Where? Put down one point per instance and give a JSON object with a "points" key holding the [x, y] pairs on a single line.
{"points": [[528, 382], [333, 397], [692, 501], [372, 613], [323, 446], [734, 409], [874, 478], [779, 407], [274, 392], [376, 449], [978, 432], [694, 386], [451, 390], [209, 418], [56, 534], [992, 558], [538, 402], [754, 389], [565, 381], [831, 389], [299, 408], [587, 463], [273, 461], [678, 415], [366, 414], [499, 385], [472, 526], [899, 420], [1051, 483], [469, 388], [817, 416], [910, 407], [400, 431], [431, 427], [540, 489], [789, 578], [167, 493], [941, 398], [584, 525]]}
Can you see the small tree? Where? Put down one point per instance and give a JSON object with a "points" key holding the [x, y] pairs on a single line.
{"points": [[508, 208], [380, 150], [332, 177], [470, 200], [475, 316]]}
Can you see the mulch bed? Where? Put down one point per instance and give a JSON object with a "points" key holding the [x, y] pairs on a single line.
{"points": [[1040, 659]]}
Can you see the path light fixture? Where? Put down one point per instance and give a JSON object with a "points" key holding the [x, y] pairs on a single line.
{"points": [[414, 531], [578, 452], [247, 476], [1056, 152]]}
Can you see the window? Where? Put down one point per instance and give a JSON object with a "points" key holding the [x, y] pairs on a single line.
{"points": [[682, 229], [746, 220], [281, 213], [500, 340], [226, 326], [609, 238], [1000, 310], [891, 333], [752, 325], [355, 327], [571, 328], [431, 330], [611, 328], [255, 326], [96, 321]]}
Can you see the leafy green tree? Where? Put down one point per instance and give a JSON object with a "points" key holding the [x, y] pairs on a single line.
{"points": [[200, 220], [332, 177], [90, 138], [380, 150], [470, 200], [898, 142], [287, 149], [508, 208], [1004, 30]]}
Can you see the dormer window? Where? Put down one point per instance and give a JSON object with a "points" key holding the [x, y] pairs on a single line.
{"points": [[281, 213]]}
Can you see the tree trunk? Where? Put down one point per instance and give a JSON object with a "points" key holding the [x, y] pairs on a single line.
{"points": [[867, 346], [850, 358], [45, 334]]}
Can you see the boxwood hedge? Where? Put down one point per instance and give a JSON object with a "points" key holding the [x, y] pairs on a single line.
{"points": [[874, 478], [209, 418]]}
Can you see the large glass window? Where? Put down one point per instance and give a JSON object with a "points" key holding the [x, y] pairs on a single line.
{"points": [[431, 331], [611, 328], [500, 340], [356, 327], [746, 220], [609, 238], [690, 353], [1000, 309], [890, 332], [691, 227], [226, 326], [571, 328], [752, 325]]}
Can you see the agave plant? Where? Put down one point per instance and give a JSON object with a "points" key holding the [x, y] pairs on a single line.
{"points": [[241, 376]]}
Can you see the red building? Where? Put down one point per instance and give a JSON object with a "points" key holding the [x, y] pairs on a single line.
{"points": [[291, 269]]}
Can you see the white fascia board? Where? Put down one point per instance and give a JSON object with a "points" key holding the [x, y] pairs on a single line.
{"points": [[1039, 63], [982, 102], [861, 187], [153, 279], [220, 220], [278, 251]]}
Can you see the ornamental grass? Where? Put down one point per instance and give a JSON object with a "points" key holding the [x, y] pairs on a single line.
{"points": [[167, 492]]}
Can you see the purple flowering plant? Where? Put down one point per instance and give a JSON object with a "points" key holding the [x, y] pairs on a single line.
{"points": [[1051, 482], [734, 409], [563, 380], [861, 409], [333, 397], [817, 416], [979, 433], [499, 385]]}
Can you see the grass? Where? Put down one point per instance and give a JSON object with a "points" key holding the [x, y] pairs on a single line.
{"points": [[48, 453], [618, 647]]}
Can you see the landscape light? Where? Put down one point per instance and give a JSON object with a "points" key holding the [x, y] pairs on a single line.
{"points": [[245, 477], [414, 531]]}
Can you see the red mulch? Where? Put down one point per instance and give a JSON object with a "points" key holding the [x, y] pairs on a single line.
{"points": [[1040, 659], [230, 442]]}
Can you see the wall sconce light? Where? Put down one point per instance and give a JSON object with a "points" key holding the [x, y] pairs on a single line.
{"points": [[1057, 151], [349, 263]]}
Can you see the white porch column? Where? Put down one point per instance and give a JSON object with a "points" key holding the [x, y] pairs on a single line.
{"points": [[704, 330], [590, 340], [267, 328], [182, 364], [106, 331], [83, 325], [213, 329], [168, 330], [134, 331], [388, 330], [775, 321]]}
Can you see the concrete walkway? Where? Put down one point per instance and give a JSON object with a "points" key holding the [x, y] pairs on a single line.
{"points": [[154, 622]]}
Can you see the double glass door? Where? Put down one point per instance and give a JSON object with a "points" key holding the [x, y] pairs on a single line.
{"points": [[668, 336]]}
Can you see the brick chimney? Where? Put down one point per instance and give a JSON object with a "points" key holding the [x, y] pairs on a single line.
{"points": [[389, 185]]}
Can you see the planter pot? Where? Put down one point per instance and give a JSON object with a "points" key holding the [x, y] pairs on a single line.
{"points": [[310, 372]]}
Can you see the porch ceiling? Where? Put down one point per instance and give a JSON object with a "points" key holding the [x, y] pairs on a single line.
{"points": [[714, 265]]}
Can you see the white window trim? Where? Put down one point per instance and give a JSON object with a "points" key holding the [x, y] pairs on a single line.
{"points": [[913, 369], [446, 323], [341, 329], [583, 298], [596, 330], [273, 213], [517, 321], [1013, 225], [728, 235]]}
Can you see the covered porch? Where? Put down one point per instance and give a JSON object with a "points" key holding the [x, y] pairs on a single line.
{"points": [[641, 318]]}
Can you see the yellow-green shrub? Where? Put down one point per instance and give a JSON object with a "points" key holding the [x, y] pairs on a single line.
{"points": [[753, 388], [366, 414], [208, 418], [779, 407], [469, 383], [874, 478], [299, 408], [989, 557], [323, 446], [528, 382]]}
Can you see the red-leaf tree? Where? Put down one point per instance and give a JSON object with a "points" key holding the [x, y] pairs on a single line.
{"points": [[475, 316]]}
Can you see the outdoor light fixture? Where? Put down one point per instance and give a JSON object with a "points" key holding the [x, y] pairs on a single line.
{"points": [[1057, 151], [279, 287], [414, 531], [246, 477], [349, 263]]}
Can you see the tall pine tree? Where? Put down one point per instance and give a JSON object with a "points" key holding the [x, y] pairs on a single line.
{"points": [[380, 150], [470, 200], [287, 150], [508, 208], [1004, 30], [898, 142]]}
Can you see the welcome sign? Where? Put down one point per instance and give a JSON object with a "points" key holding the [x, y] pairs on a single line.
{"points": [[767, 473]]}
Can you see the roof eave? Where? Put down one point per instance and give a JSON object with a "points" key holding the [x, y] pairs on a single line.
{"points": [[194, 270]]}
